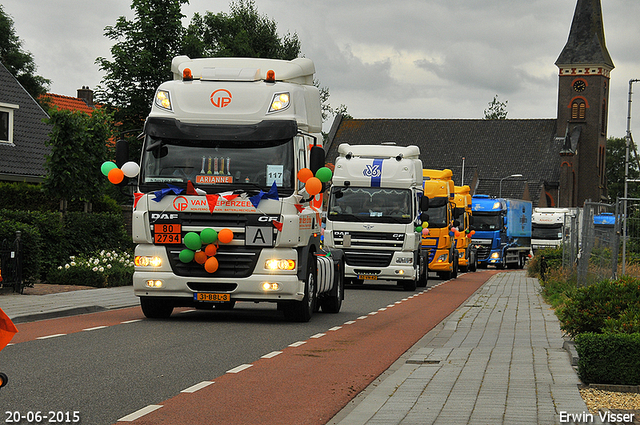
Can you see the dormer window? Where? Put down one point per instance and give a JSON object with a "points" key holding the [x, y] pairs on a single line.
{"points": [[6, 122]]}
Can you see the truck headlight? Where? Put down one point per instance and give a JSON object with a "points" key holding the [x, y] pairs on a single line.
{"points": [[163, 100], [404, 260], [144, 261], [495, 255], [280, 102], [442, 258], [280, 264]]}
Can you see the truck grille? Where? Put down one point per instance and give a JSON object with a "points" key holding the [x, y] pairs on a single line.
{"points": [[367, 239], [368, 258], [233, 262]]}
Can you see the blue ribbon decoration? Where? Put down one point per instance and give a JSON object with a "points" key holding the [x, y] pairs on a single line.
{"points": [[271, 194], [161, 193]]}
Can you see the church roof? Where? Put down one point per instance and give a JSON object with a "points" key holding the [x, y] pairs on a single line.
{"points": [[492, 149], [586, 44]]}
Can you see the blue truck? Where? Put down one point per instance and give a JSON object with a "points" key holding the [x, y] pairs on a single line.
{"points": [[502, 228]]}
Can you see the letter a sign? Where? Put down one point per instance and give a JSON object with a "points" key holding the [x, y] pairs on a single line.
{"points": [[221, 98], [259, 236]]}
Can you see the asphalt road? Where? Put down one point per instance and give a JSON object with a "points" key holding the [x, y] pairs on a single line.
{"points": [[102, 367]]}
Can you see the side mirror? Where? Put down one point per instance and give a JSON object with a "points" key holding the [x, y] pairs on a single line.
{"points": [[424, 217], [424, 203], [316, 159]]}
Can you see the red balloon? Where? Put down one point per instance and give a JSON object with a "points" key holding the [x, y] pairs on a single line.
{"points": [[313, 186], [115, 176], [210, 250], [200, 257], [304, 174], [211, 265]]}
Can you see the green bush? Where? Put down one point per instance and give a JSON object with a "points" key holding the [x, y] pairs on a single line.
{"points": [[591, 306], [628, 322], [103, 269], [610, 358], [553, 260]]}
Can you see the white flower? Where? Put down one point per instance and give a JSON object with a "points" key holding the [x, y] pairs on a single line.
{"points": [[95, 269], [66, 266], [101, 269], [73, 263], [59, 267], [73, 257], [108, 266]]}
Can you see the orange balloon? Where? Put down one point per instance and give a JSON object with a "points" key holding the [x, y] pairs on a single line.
{"points": [[313, 186], [115, 176], [304, 174], [210, 250], [200, 257], [225, 235], [211, 265]]}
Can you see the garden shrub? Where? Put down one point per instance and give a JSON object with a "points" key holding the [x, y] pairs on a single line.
{"points": [[103, 269], [610, 358], [30, 243], [591, 306]]}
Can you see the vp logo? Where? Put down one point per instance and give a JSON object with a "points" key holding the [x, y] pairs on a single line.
{"points": [[221, 98], [180, 203], [374, 170]]}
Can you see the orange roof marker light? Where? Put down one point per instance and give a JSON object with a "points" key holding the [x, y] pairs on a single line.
{"points": [[271, 76], [186, 75]]}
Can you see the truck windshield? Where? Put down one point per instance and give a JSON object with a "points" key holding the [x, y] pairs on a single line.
{"points": [[438, 213], [216, 166], [370, 204], [487, 222], [549, 232]]}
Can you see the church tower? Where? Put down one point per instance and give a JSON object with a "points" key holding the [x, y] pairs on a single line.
{"points": [[583, 97]]}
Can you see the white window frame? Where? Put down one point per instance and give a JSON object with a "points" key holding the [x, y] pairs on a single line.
{"points": [[9, 108]]}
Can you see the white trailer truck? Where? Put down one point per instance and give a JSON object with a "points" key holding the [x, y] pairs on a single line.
{"points": [[373, 211], [550, 227], [219, 216]]}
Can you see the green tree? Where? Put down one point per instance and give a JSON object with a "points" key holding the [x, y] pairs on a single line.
{"points": [[19, 62], [497, 110], [241, 33], [142, 58], [78, 149], [616, 153]]}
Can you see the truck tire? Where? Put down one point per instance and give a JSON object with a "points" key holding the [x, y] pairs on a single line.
{"points": [[423, 277], [331, 303], [409, 285], [473, 261], [301, 311], [155, 309]]}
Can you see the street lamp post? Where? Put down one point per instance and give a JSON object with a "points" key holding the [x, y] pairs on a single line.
{"points": [[504, 178]]}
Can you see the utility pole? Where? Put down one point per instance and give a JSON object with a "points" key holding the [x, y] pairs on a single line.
{"points": [[626, 179]]}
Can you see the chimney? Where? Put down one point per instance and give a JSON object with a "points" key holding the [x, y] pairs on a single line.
{"points": [[86, 94]]}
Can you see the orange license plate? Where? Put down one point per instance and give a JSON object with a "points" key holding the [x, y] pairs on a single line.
{"points": [[211, 298], [367, 277], [167, 233]]}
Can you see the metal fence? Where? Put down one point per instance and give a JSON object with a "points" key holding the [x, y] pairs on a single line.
{"points": [[599, 243]]}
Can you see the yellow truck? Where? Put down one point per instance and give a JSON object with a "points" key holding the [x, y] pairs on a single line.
{"points": [[462, 232], [438, 244]]}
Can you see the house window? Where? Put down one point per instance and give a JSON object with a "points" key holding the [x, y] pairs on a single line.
{"points": [[6, 122]]}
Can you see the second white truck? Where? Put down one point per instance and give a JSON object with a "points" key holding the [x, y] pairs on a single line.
{"points": [[374, 213]]}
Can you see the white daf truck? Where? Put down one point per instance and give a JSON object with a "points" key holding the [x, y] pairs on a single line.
{"points": [[373, 213], [220, 215], [550, 227]]}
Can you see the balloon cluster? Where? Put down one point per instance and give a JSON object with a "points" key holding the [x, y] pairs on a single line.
{"points": [[203, 247], [313, 184], [423, 228], [115, 174]]}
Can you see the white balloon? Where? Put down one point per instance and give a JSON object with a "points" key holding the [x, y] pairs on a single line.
{"points": [[130, 169]]}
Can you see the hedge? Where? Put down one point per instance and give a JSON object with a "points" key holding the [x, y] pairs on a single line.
{"points": [[30, 243], [610, 358]]}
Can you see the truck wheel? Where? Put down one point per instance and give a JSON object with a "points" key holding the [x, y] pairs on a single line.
{"points": [[423, 277], [155, 309], [473, 262], [301, 311], [333, 303], [454, 273]]}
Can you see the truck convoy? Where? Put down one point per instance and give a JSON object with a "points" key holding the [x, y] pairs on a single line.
{"points": [[220, 216], [550, 226], [373, 213], [502, 231], [439, 244], [462, 221]]}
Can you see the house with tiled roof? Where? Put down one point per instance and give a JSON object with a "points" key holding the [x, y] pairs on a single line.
{"points": [[82, 103], [552, 162], [22, 132]]}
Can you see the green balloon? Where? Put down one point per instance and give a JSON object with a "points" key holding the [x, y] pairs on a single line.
{"points": [[186, 255], [208, 236], [192, 241], [418, 229], [107, 166], [324, 174]]}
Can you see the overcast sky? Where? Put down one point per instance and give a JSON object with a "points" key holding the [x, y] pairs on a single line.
{"points": [[382, 59]]}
